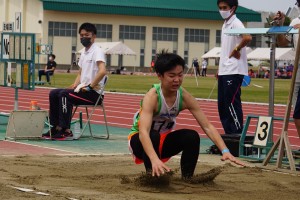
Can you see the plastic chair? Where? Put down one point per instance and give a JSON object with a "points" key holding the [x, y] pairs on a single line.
{"points": [[89, 115]]}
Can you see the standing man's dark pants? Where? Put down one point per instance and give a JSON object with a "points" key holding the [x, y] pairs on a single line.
{"points": [[61, 105], [229, 103], [197, 71], [185, 140], [47, 73], [204, 72]]}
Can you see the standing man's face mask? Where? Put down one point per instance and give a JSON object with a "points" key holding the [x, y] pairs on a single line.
{"points": [[225, 13], [86, 41]]}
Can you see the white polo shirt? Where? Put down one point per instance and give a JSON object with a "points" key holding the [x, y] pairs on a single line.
{"points": [[88, 64], [204, 64], [295, 40], [228, 66]]}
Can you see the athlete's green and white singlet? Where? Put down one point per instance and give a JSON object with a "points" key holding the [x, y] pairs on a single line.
{"points": [[164, 120]]}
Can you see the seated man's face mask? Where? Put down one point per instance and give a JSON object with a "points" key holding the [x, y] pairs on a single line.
{"points": [[85, 41], [51, 58]]}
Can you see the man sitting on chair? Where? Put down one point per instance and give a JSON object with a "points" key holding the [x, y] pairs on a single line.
{"points": [[49, 68], [84, 91]]}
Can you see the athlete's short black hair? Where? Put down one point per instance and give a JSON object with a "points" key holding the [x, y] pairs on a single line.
{"points": [[231, 3], [88, 27], [298, 3], [167, 61]]}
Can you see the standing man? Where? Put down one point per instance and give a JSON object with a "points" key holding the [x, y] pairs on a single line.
{"points": [[283, 41], [232, 69], [204, 67], [84, 90], [152, 139], [196, 67]]}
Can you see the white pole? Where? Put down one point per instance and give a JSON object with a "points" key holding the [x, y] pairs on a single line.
{"points": [[196, 76]]}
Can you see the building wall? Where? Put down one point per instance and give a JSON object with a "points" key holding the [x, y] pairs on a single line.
{"points": [[62, 54], [149, 22], [3, 13], [131, 60], [33, 17], [36, 20], [32, 12]]}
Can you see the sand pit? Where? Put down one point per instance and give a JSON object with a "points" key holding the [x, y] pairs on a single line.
{"points": [[117, 177]]}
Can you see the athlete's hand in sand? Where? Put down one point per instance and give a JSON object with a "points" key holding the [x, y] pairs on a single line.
{"points": [[159, 168], [229, 156]]}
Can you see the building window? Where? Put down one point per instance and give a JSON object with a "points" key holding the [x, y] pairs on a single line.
{"points": [[196, 35], [165, 34], [108, 60], [153, 54], [104, 31], [132, 32], [186, 57], [142, 57], [218, 38], [256, 41], [65, 29]]}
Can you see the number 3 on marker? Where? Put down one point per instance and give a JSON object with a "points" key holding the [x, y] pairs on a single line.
{"points": [[264, 125], [262, 131]]}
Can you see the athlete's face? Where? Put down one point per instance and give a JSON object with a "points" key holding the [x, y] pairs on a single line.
{"points": [[172, 80]]}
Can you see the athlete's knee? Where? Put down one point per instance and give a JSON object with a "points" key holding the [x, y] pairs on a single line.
{"points": [[192, 136]]}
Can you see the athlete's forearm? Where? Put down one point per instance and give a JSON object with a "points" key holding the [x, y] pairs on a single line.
{"points": [[213, 134]]}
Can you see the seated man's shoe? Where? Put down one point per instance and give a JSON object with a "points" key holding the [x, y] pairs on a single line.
{"points": [[63, 135], [48, 135]]}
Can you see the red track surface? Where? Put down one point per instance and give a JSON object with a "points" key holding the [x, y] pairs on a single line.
{"points": [[121, 108], [15, 148]]}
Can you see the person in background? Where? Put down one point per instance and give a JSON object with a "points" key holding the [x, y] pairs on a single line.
{"points": [[251, 73], [284, 41], [232, 69], [267, 74], [196, 67], [49, 69], [204, 67], [152, 66]]}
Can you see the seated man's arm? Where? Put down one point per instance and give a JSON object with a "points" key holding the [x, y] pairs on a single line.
{"points": [[77, 80], [101, 73]]}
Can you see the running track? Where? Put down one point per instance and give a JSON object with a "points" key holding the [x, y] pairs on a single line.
{"points": [[121, 107]]}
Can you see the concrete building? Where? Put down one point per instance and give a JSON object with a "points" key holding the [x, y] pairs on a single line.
{"points": [[186, 27]]}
